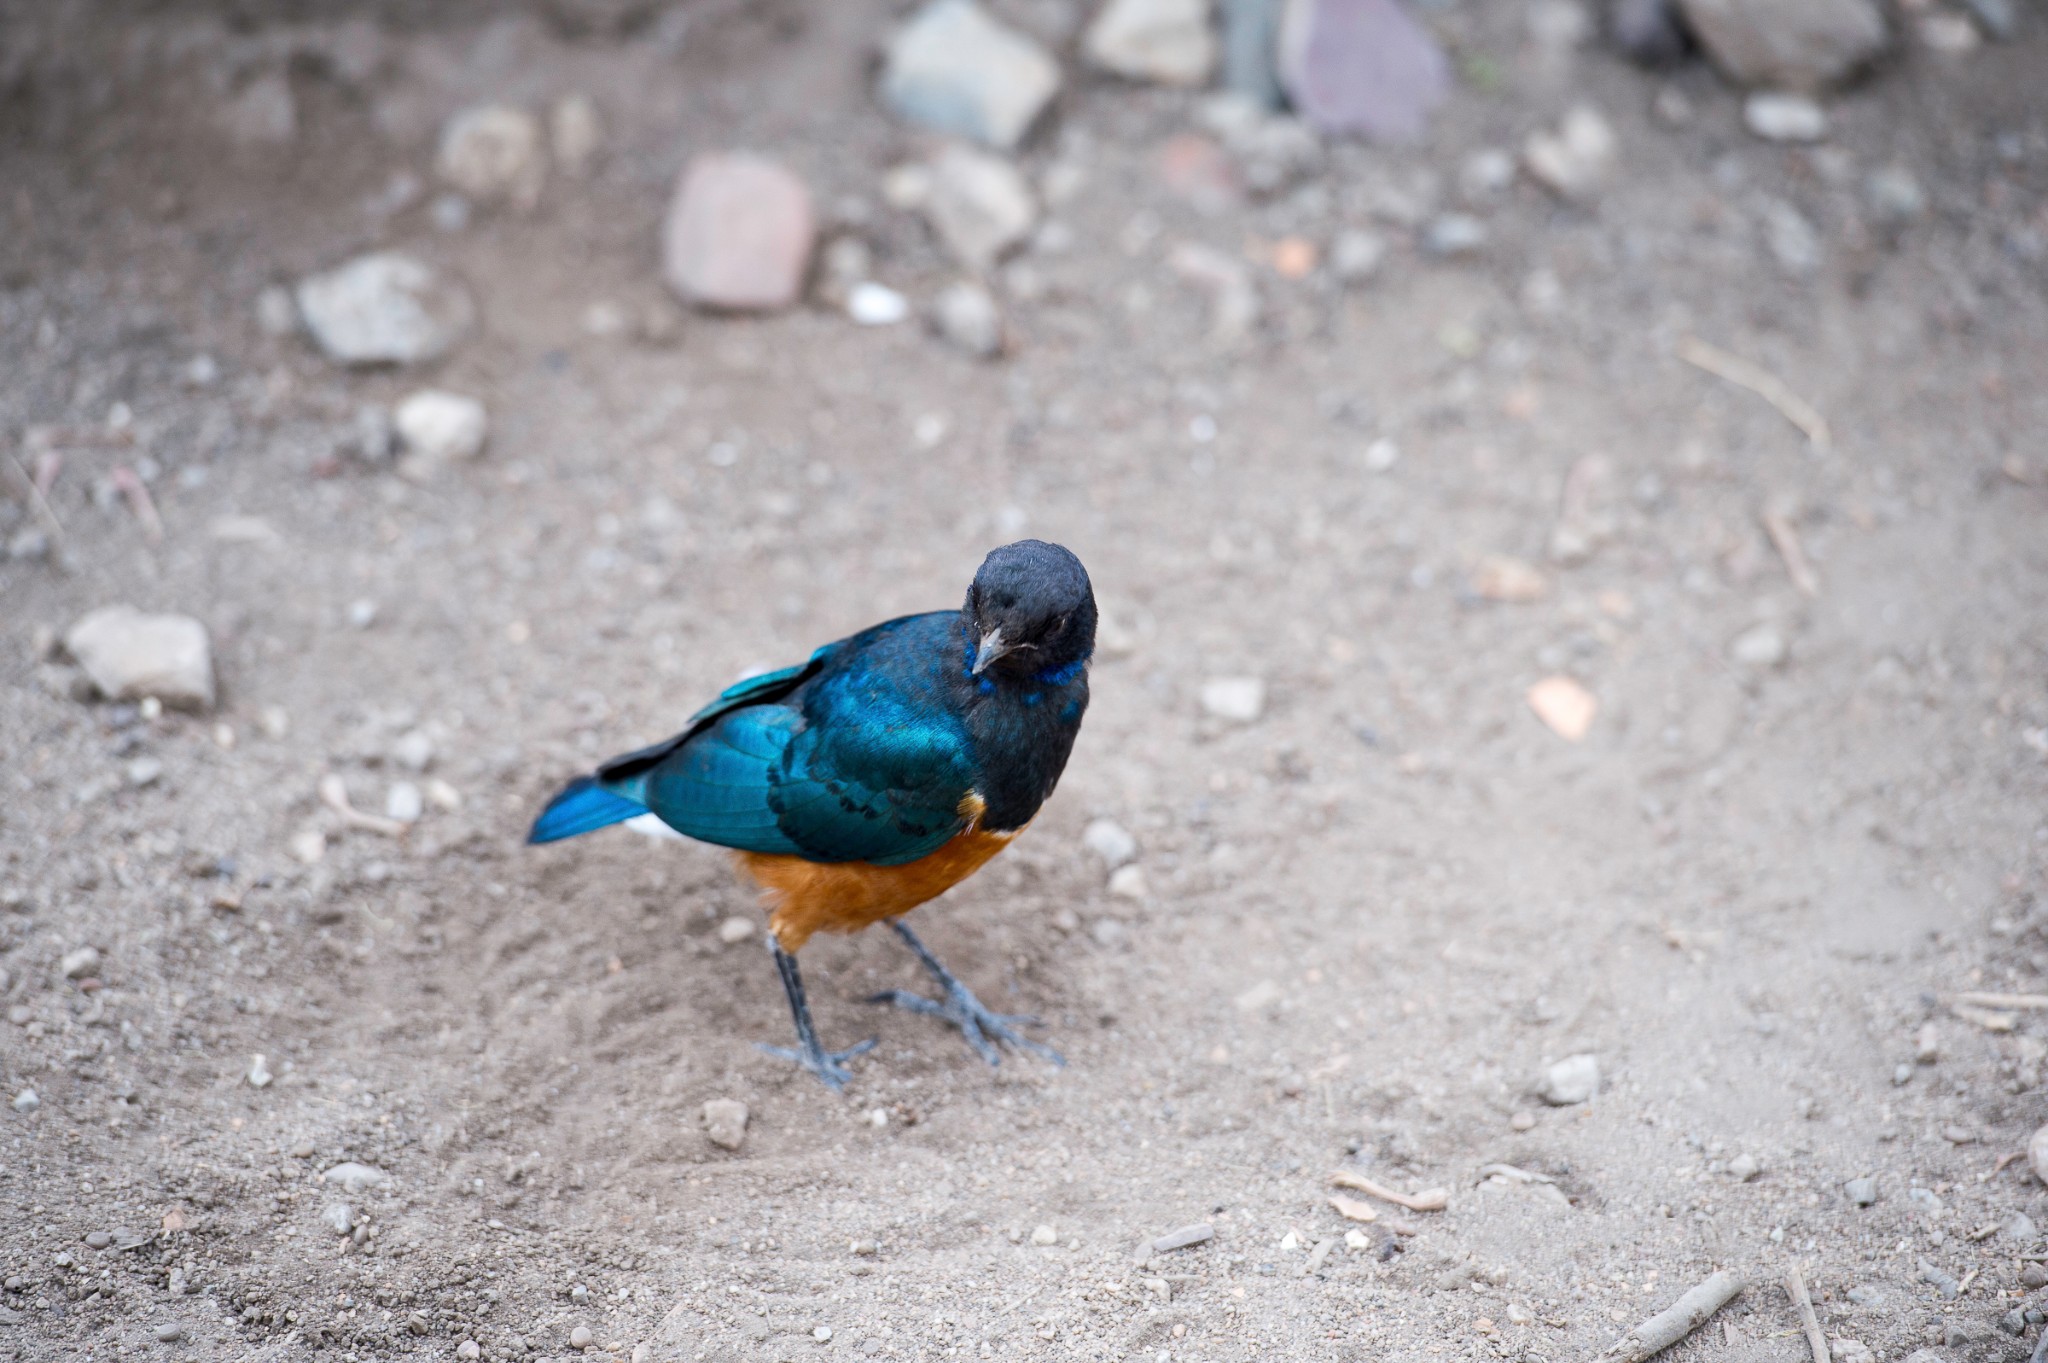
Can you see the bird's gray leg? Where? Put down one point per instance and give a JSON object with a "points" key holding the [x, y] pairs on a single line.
{"points": [[829, 1066], [981, 1027]]}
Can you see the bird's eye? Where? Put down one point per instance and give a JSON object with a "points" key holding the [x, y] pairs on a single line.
{"points": [[1058, 626]]}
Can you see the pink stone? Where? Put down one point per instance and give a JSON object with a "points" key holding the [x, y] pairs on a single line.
{"points": [[1361, 66], [738, 234]]}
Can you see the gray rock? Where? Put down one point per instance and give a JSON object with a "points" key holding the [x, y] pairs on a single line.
{"points": [[1962, 1332], [1794, 44], [354, 1179], [1576, 160], [1167, 41], [1356, 255], [1894, 196], [980, 205], [1649, 32], [170, 1332], [27, 1101], [575, 133], [1111, 841], [1574, 1079], [2014, 1322], [1779, 117], [725, 1122], [144, 771], [1361, 66], [738, 234], [966, 315], [1452, 235], [2020, 1227], [130, 655], [954, 69], [384, 308], [338, 1217], [1791, 238], [263, 113], [1199, 1233], [494, 154], [80, 963], [1864, 1295], [1927, 1356], [1744, 1167], [1861, 1192]]}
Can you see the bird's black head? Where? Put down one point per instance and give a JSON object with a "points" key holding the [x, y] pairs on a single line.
{"points": [[1029, 614]]}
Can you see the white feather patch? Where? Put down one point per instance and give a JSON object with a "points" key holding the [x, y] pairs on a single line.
{"points": [[651, 826]]}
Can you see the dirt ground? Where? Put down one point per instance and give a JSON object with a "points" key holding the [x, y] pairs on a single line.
{"points": [[1370, 918]]}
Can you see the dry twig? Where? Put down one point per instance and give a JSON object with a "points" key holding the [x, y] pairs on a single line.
{"points": [[334, 794], [2019, 1003], [1428, 1200], [1785, 540], [1766, 385], [124, 481], [1795, 1288], [1679, 1319]]}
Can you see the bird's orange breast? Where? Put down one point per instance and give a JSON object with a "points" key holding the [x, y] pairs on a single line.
{"points": [[804, 897]]}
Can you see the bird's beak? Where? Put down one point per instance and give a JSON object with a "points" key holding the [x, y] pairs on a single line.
{"points": [[992, 648]]}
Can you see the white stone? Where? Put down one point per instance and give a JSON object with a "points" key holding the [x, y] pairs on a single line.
{"points": [[980, 205], [494, 153], [1111, 841], [725, 1122], [876, 305], [81, 963], [1240, 699], [1779, 117], [27, 1101], [1128, 882], [1045, 1235], [966, 314], [338, 1217], [735, 930], [437, 425], [1796, 44], [129, 655], [1574, 1079], [413, 750], [1168, 41], [575, 132], [353, 1178], [384, 308], [404, 802], [1576, 160], [259, 1072], [955, 70], [1743, 1168], [1760, 646]]}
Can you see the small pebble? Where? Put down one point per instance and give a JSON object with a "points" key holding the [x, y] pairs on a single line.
{"points": [[353, 1178], [1195, 1234], [1128, 882], [144, 771], [413, 750], [1927, 1044], [1902, 1074], [876, 305], [170, 1332], [725, 1122], [1861, 1192], [2018, 1227], [1453, 235], [1523, 1120], [1779, 117], [1760, 646], [404, 802], [469, 1349], [1239, 699], [259, 1073], [822, 1333], [26, 1101], [1356, 255], [1381, 456], [1744, 1167], [581, 1337], [99, 1239], [1045, 1235], [2037, 1154], [2034, 1276], [1111, 841], [81, 963], [735, 930], [1574, 1079]]}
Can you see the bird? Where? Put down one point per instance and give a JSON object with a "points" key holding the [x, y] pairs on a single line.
{"points": [[887, 768]]}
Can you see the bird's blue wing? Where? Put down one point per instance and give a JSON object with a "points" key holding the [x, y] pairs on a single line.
{"points": [[884, 786]]}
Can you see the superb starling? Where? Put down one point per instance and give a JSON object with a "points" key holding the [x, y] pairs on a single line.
{"points": [[876, 776]]}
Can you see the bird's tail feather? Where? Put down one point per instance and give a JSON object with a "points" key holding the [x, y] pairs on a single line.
{"points": [[583, 806]]}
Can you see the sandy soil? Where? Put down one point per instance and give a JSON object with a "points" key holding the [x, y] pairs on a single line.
{"points": [[1371, 918]]}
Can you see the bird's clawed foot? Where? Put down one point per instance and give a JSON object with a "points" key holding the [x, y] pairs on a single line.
{"points": [[829, 1066], [982, 1028]]}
